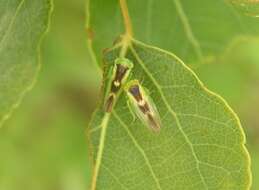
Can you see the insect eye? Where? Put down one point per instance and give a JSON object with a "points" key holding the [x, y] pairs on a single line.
{"points": [[134, 90]]}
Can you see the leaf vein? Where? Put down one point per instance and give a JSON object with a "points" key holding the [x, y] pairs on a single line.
{"points": [[12, 22], [187, 28], [139, 148], [171, 111], [114, 176]]}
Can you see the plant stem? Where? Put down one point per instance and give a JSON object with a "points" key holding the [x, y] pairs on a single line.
{"points": [[126, 18], [128, 28]]}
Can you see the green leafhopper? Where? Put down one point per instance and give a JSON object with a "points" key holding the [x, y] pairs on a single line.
{"points": [[120, 73], [143, 105]]}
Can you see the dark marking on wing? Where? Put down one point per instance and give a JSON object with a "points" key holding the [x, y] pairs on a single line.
{"points": [[119, 75], [109, 103], [144, 108], [153, 124]]}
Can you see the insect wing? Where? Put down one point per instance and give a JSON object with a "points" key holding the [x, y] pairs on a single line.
{"points": [[135, 109], [153, 119]]}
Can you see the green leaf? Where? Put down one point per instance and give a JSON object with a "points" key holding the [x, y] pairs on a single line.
{"points": [[195, 33], [200, 145], [22, 26]]}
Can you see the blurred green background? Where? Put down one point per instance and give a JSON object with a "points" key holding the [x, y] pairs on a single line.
{"points": [[44, 146]]}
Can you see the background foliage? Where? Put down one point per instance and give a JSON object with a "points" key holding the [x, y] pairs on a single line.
{"points": [[43, 144]]}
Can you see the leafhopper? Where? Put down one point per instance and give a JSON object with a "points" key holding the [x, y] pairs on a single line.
{"points": [[119, 75], [143, 106]]}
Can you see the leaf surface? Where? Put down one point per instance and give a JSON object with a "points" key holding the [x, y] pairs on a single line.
{"points": [[196, 31], [201, 143], [22, 25]]}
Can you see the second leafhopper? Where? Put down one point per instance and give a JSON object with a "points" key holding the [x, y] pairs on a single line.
{"points": [[143, 105]]}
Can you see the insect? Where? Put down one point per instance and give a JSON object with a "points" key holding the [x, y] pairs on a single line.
{"points": [[120, 73], [143, 105]]}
